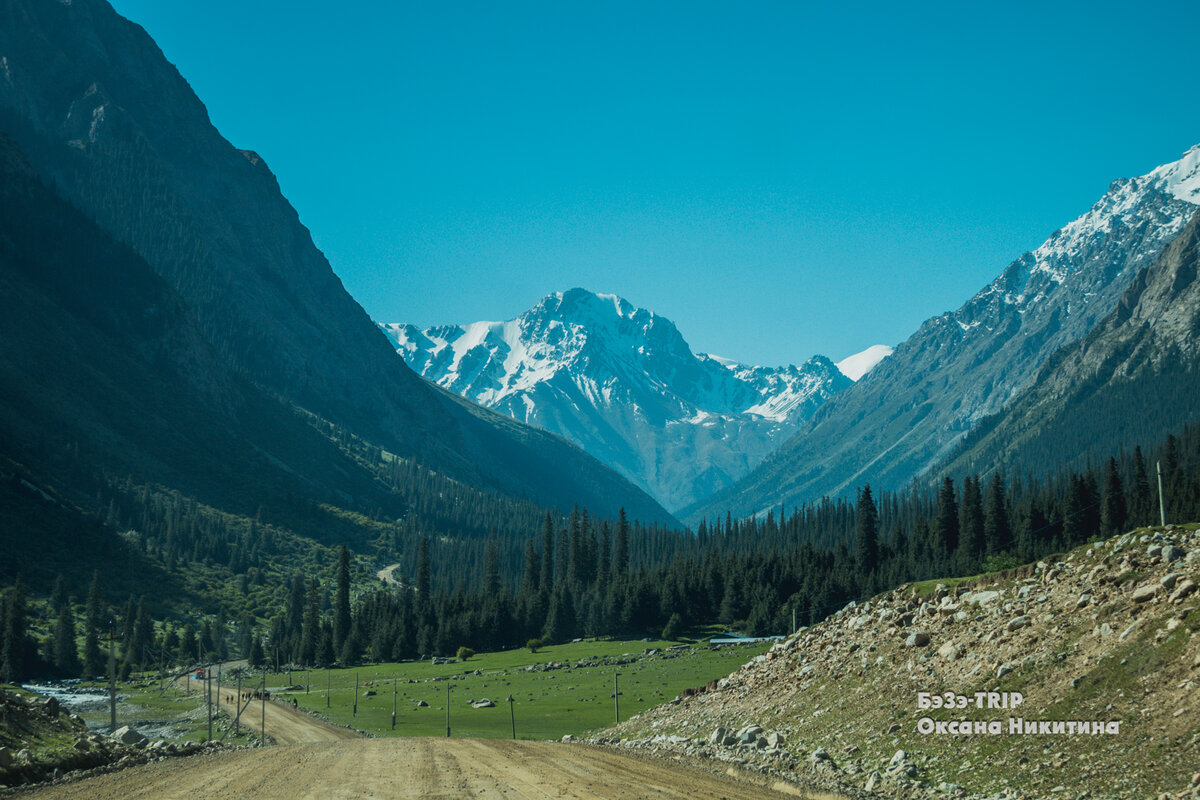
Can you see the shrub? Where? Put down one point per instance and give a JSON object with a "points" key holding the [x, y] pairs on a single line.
{"points": [[464, 653]]}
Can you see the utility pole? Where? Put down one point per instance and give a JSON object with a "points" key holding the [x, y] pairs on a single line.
{"points": [[793, 619], [112, 677], [447, 711], [263, 738], [1162, 508], [208, 698], [327, 685], [238, 716], [617, 696], [512, 716], [393, 704], [354, 712]]}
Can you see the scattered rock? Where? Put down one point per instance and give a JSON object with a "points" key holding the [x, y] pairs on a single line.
{"points": [[1016, 623], [917, 639], [127, 735], [1172, 553], [1144, 594]]}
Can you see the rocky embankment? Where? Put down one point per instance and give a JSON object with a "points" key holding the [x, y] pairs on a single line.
{"points": [[1076, 677], [40, 742]]}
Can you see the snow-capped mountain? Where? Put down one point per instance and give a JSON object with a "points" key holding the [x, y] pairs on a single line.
{"points": [[621, 382], [904, 416]]}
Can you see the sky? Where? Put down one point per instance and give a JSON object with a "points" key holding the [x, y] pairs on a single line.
{"points": [[777, 178]]}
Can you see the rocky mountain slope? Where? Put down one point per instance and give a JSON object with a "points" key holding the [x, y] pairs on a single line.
{"points": [[1107, 633], [909, 413], [105, 119], [1134, 378], [621, 382]]}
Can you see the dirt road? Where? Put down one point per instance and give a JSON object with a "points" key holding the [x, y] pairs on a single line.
{"points": [[284, 725], [410, 768]]}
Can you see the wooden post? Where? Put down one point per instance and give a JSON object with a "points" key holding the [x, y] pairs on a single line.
{"points": [[263, 740], [237, 718], [447, 711], [208, 698], [393, 704], [617, 696], [512, 716], [354, 712]]}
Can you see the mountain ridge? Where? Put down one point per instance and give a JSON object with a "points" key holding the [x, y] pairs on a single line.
{"points": [[907, 414], [104, 117], [622, 382]]}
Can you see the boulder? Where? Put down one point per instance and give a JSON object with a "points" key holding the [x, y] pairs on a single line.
{"points": [[1172, 553], [1016, 623], [1144, 594], [127, 735], [981, 598], [948, 651], [917, 639], [1185, 587]]}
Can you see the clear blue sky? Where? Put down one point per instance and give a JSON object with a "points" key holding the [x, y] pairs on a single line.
{"points": [[780, 179]]}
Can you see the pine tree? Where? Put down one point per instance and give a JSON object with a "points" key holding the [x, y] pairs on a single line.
{"points": [[1112, 512], [1142, 506], [93, 659], [66, 653], [423, 575], [547, 575], [867, 531], [341, 610], [620, 569], [971, 521], [12, 648], [947, 518], [310, 639], [996, 528]]}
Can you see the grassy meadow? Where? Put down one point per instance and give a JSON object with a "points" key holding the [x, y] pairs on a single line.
{"points": [[546, 704]]}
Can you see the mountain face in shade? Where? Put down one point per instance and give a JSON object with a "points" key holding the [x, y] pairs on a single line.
{"points": [[912, 410], [621, 382], [1134, 378], [105, 119]]}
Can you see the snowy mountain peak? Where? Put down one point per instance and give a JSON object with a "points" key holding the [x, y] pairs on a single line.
{"points": [[622, 382], [1180, 179], [859, 364]]}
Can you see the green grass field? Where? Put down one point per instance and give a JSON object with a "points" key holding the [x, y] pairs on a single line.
{"points": [[547, 705]]}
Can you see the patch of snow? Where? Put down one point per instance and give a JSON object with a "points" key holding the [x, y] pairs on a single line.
{"points": [[859, 364]]}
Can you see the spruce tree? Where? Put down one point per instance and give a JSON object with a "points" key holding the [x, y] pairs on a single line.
{"points": [[996, 528], [341, 608], [547, 577], [620, 569], [1142, 507], [66, 653], [93, 659], [310, 639], [12, 648], [971, 521], [424, 572], [868, 536], [1112, 512], [947, 518]]}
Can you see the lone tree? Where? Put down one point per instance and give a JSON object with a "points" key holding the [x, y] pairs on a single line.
{"points": [[868, 534]]}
